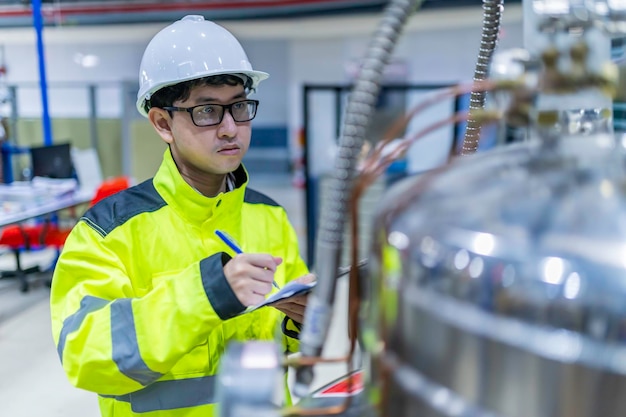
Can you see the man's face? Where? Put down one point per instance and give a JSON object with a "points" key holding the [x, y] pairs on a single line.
{"points": [[211, 150]]}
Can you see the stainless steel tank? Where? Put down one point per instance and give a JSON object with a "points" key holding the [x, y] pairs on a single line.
{"points": [[498, 285]]}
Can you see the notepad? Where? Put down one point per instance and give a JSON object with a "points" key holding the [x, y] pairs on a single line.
{"points": [[290, 290]]}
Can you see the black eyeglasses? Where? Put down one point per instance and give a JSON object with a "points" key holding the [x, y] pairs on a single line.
{"points": [[212, 114]]}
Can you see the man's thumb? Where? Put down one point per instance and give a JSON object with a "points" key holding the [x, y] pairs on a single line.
{"points": [[305, 279]]}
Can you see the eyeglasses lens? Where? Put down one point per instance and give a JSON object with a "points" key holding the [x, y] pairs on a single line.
{"points": [[212, 114]]}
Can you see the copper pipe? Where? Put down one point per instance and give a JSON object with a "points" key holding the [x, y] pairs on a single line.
{"points": [[307, 360]]}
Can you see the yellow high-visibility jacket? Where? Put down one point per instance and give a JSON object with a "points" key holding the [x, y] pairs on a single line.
{"points": [[141, 309]]}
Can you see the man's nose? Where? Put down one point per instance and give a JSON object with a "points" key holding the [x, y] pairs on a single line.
{"points": [[228, 126]]}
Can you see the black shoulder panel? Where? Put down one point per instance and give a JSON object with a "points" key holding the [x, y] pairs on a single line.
{"points": [[117, 209], [255, 197]]}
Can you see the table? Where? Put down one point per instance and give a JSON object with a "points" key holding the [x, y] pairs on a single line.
{"points": [[23, 202], [45, 207]]}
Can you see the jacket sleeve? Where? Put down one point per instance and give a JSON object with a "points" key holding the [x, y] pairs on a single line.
{"points": [[296, 268], [112, 340]]}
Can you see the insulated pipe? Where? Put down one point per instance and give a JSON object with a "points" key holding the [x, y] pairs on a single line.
{"points": [[492, 12], [360, 107]]}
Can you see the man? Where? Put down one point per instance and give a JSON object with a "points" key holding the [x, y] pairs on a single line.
{"points": [[145, 296]]}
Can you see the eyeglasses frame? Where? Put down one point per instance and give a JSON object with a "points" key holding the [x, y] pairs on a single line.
{"points": [[223, 106]]}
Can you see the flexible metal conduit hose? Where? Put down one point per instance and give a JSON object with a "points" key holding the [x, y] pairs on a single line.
{"points": [[359, 110], [492, 12]]}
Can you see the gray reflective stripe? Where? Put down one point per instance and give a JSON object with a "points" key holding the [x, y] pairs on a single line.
{"points": [[126, 353], [72, 323], [170, 395]]}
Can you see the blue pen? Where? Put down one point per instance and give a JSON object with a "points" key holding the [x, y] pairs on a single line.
{"points": [[229, 241], [235, 247]]}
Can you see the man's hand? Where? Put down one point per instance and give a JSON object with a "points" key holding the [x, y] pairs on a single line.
{"points": [[250, 275], [294, 307]]}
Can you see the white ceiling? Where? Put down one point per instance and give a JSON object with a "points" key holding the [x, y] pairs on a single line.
{"points": [[300, 28]]}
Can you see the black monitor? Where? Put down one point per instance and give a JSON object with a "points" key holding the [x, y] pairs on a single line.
{"points": [[53, 161]]}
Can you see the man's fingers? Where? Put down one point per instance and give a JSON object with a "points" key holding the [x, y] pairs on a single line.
{"points": [[299, 300], [297, 317], [251, 276], [305, 279], [294, 303], [294, 312], [262, 260], [262, 275], [253, 265]]}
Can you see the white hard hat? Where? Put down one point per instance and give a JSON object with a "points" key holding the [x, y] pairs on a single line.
{"points": [[188, 49]]}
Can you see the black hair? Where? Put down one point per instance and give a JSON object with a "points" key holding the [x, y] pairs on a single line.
{"points": [[166, 96]]}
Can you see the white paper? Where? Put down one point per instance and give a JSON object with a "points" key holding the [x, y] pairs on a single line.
{"points": [[290, 290]]}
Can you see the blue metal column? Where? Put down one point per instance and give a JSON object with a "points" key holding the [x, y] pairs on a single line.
{"points": [[43, 85]]}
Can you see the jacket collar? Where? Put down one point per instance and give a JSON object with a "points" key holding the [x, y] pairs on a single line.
{"points": [[192, 205]]}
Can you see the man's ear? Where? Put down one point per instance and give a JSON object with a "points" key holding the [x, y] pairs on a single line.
{"points": [[161, 120]]}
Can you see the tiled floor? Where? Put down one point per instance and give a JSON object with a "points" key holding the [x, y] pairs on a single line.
{"points": [[32, 383]]}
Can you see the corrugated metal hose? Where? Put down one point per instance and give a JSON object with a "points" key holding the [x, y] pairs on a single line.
{"points": [[359, 110], [492, 13]]}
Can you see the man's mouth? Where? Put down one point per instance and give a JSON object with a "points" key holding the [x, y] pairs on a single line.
{"points": [[229, 150]]}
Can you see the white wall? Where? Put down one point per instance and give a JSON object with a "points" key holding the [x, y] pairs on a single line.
{"points": [[67, 79], [271, 56], [294, 52], [434, 56]]}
